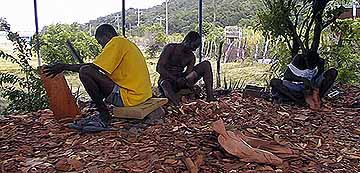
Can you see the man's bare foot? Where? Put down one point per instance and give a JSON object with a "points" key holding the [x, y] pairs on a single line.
{"points": [[310, 101]]}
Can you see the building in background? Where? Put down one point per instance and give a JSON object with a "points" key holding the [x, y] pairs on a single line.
{"points": [[351, 11]]}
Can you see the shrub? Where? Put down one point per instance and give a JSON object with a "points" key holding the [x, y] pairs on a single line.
{"points": [[53, 43], [24, 91]]}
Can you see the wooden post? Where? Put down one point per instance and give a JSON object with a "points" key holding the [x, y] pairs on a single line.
{"points": [[218, 63], [123, 18], [200, 28]]}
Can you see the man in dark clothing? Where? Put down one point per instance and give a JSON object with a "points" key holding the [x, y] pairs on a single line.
{"points": [[304, 78]]}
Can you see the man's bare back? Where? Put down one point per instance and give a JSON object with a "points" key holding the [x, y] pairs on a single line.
{"points": [[177, 62]]}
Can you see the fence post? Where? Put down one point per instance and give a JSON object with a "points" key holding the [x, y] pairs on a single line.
{"points": [[218, 67]]}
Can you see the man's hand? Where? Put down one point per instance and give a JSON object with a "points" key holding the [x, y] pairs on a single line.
{"points": [[181, 82], [52, 70]]}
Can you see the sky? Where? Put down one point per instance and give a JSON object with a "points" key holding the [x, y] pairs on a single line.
{"points": [[20, 13]]}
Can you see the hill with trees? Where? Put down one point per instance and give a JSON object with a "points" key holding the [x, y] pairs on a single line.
{"points": [[183, 15]]}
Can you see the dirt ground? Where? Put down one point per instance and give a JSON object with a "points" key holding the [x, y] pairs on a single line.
{"points": [[324, 141]]}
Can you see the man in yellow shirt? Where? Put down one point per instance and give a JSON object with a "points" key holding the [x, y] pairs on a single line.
{"points": [[119, 74]]}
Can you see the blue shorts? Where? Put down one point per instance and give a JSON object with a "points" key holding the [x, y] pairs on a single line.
{"points": [[299, 86], [115, 97]]}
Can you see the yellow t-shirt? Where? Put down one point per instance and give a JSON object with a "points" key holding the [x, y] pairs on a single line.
{"points": [[126, 66]]}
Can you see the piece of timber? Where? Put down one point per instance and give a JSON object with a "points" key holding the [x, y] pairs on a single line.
{"points": [[254, 91], [140, 111], [61, 100]]}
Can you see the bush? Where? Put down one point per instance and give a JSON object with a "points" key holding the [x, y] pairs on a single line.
{"points": [[157, 39], [53, 43], [342, 50], [25, 91]]}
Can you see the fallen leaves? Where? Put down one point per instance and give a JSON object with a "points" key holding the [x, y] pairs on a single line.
{"points": [[191, 166], [170, 161], [248, 149], [68, 165], [309, 141]]}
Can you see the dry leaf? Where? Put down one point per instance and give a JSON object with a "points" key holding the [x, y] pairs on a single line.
{"points": [[283, 113], [301, 117], [339, 158], [75, 164], [191, 166], [357, 131], [199, 160], [170, 161], [238, 147], [318, 144], [353, 157], [63, 165]]}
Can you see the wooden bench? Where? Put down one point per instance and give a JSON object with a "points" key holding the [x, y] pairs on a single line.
{"points": [[140, 111]]}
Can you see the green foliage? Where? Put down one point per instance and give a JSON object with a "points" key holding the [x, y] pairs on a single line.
{"points": [[25, 91], [53, 39], [299, 22], [156, 39], [282, 57], [233, 84], [183, 14], [342, 51]]}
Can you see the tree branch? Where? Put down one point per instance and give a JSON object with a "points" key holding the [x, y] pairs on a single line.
{"points": [[333, 19], [318, 10]]}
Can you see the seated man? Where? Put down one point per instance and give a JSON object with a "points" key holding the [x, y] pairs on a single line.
{"points": [[303, 77], [119, 74], [173, 60]]}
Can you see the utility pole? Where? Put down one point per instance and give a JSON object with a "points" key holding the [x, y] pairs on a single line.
{"points": [[123, 18], [37, 33], [167, 17], [200, 28], [214, 7], [117, 17], [138, 17], [160, 19]]}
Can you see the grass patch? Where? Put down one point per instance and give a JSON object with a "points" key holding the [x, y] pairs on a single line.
{"points": [[245, 72]]}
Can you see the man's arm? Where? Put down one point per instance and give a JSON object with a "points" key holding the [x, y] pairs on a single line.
{"points": [[53, 70], [163, 61], [321, 67]]}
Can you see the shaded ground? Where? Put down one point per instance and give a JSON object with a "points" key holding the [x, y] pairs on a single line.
{"points": [[326, 141]]}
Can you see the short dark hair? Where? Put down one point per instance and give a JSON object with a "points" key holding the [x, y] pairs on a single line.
{"points": [[105, 29], [312, 58], [192, 36]]}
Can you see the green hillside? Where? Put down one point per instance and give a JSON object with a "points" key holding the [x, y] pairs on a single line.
{"points": [[183, 14]]}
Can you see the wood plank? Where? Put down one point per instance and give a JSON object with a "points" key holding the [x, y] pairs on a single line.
{"points": [[61, 100], [139, 111]]}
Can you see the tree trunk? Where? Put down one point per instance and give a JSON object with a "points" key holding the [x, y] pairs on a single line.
{"points": [[318, 10]]}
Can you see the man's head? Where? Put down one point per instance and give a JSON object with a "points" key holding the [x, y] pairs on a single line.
{"points": [[192, 41], [312, 59], [104, 33]]}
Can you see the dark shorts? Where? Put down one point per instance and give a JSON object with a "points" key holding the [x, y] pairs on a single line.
{"points": [[299, 86], [173, 83], [115, 97]]}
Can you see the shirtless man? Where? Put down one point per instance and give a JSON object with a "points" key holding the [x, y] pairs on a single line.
{"points": [[173, 60], [304, 75]]}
